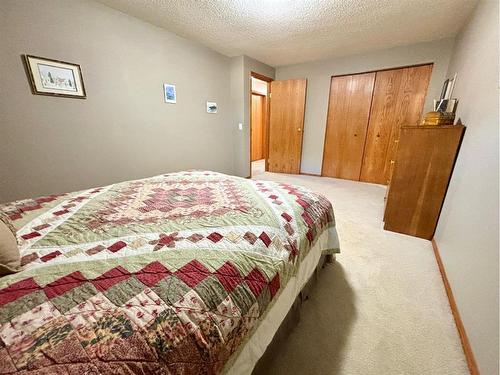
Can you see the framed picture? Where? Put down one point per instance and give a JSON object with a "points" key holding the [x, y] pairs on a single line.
{"points": [[211, 107], [169, 93], [55, 78]]}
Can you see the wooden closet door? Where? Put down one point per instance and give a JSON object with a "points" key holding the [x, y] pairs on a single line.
{"points": [[286, 124], [257, 127], [346, 126], [398, 99]]}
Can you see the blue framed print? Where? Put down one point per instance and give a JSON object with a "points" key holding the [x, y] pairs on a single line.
{"points": [[169, 93]]}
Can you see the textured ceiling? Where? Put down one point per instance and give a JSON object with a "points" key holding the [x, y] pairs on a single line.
{"points": [[282, 32]]}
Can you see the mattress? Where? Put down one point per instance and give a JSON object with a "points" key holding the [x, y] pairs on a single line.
{"points": [[187, 272]]}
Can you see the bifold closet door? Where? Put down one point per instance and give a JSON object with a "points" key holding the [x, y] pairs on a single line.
{"points": [[347, 123], [286, 124], [398, 99]]}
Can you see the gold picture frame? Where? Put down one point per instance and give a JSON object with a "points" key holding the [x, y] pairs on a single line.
{"points": [[55, 77]]}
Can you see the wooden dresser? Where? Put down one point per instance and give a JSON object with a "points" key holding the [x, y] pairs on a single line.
{"points": [[422, 170]]}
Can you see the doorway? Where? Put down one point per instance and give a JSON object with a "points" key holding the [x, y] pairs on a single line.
{"points": [[286, 125], [259, 123], [276, 125]]}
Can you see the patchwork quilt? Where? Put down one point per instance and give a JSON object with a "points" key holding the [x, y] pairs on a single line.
{"points": [[164, 275]]}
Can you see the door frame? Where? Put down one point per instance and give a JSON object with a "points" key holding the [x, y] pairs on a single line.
{"points": [[353, 74], [265, 127], [384, 69]]}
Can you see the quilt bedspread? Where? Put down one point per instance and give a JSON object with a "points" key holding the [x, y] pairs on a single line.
{"points": [[164, 275]]}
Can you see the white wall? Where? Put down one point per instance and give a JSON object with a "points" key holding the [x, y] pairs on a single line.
{"points": [[241, 67], [238, 107], [123, 130], [467, 234], [318, 76]]}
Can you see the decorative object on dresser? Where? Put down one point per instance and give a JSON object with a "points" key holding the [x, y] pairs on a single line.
{"points": [[445, 107], [54, 77], [438, 118], [422, 170]]}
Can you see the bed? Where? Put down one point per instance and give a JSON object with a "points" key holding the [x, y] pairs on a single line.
{"points": [[182, 273]]}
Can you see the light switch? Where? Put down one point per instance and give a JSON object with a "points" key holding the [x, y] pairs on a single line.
{"points": [[240, 126]]}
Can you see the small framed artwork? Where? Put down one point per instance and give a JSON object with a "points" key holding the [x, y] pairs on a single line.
{"points": [[54, 77], [169, 93], [211, 107]]}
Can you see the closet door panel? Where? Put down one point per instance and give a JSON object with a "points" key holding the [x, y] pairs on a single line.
{"points": [[398, 99], [383, 112], [411, 102], [347, 122]]}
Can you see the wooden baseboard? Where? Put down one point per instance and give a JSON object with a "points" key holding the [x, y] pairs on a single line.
{"points": [[469, 355]]}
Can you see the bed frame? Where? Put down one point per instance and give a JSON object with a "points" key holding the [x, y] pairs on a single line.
{"points": [[292, 318]]}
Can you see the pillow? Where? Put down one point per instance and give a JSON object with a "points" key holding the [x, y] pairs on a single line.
{"points": [[10, 259]]}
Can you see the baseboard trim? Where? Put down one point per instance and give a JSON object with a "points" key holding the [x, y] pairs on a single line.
{"points": [[469, 355], [310, 174]]}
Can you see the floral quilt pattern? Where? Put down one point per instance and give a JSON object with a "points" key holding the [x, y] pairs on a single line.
{"points": [[165, 275]]}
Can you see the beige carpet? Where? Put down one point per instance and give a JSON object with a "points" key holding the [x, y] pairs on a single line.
{"points": [[381, 309]]}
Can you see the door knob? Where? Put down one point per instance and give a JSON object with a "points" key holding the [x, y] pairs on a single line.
{"points": [[299, 129]]}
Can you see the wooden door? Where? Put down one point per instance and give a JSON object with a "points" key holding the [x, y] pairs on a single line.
{"points": [[347, 123], [398, 99], [286, 125], [257, 127]]}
